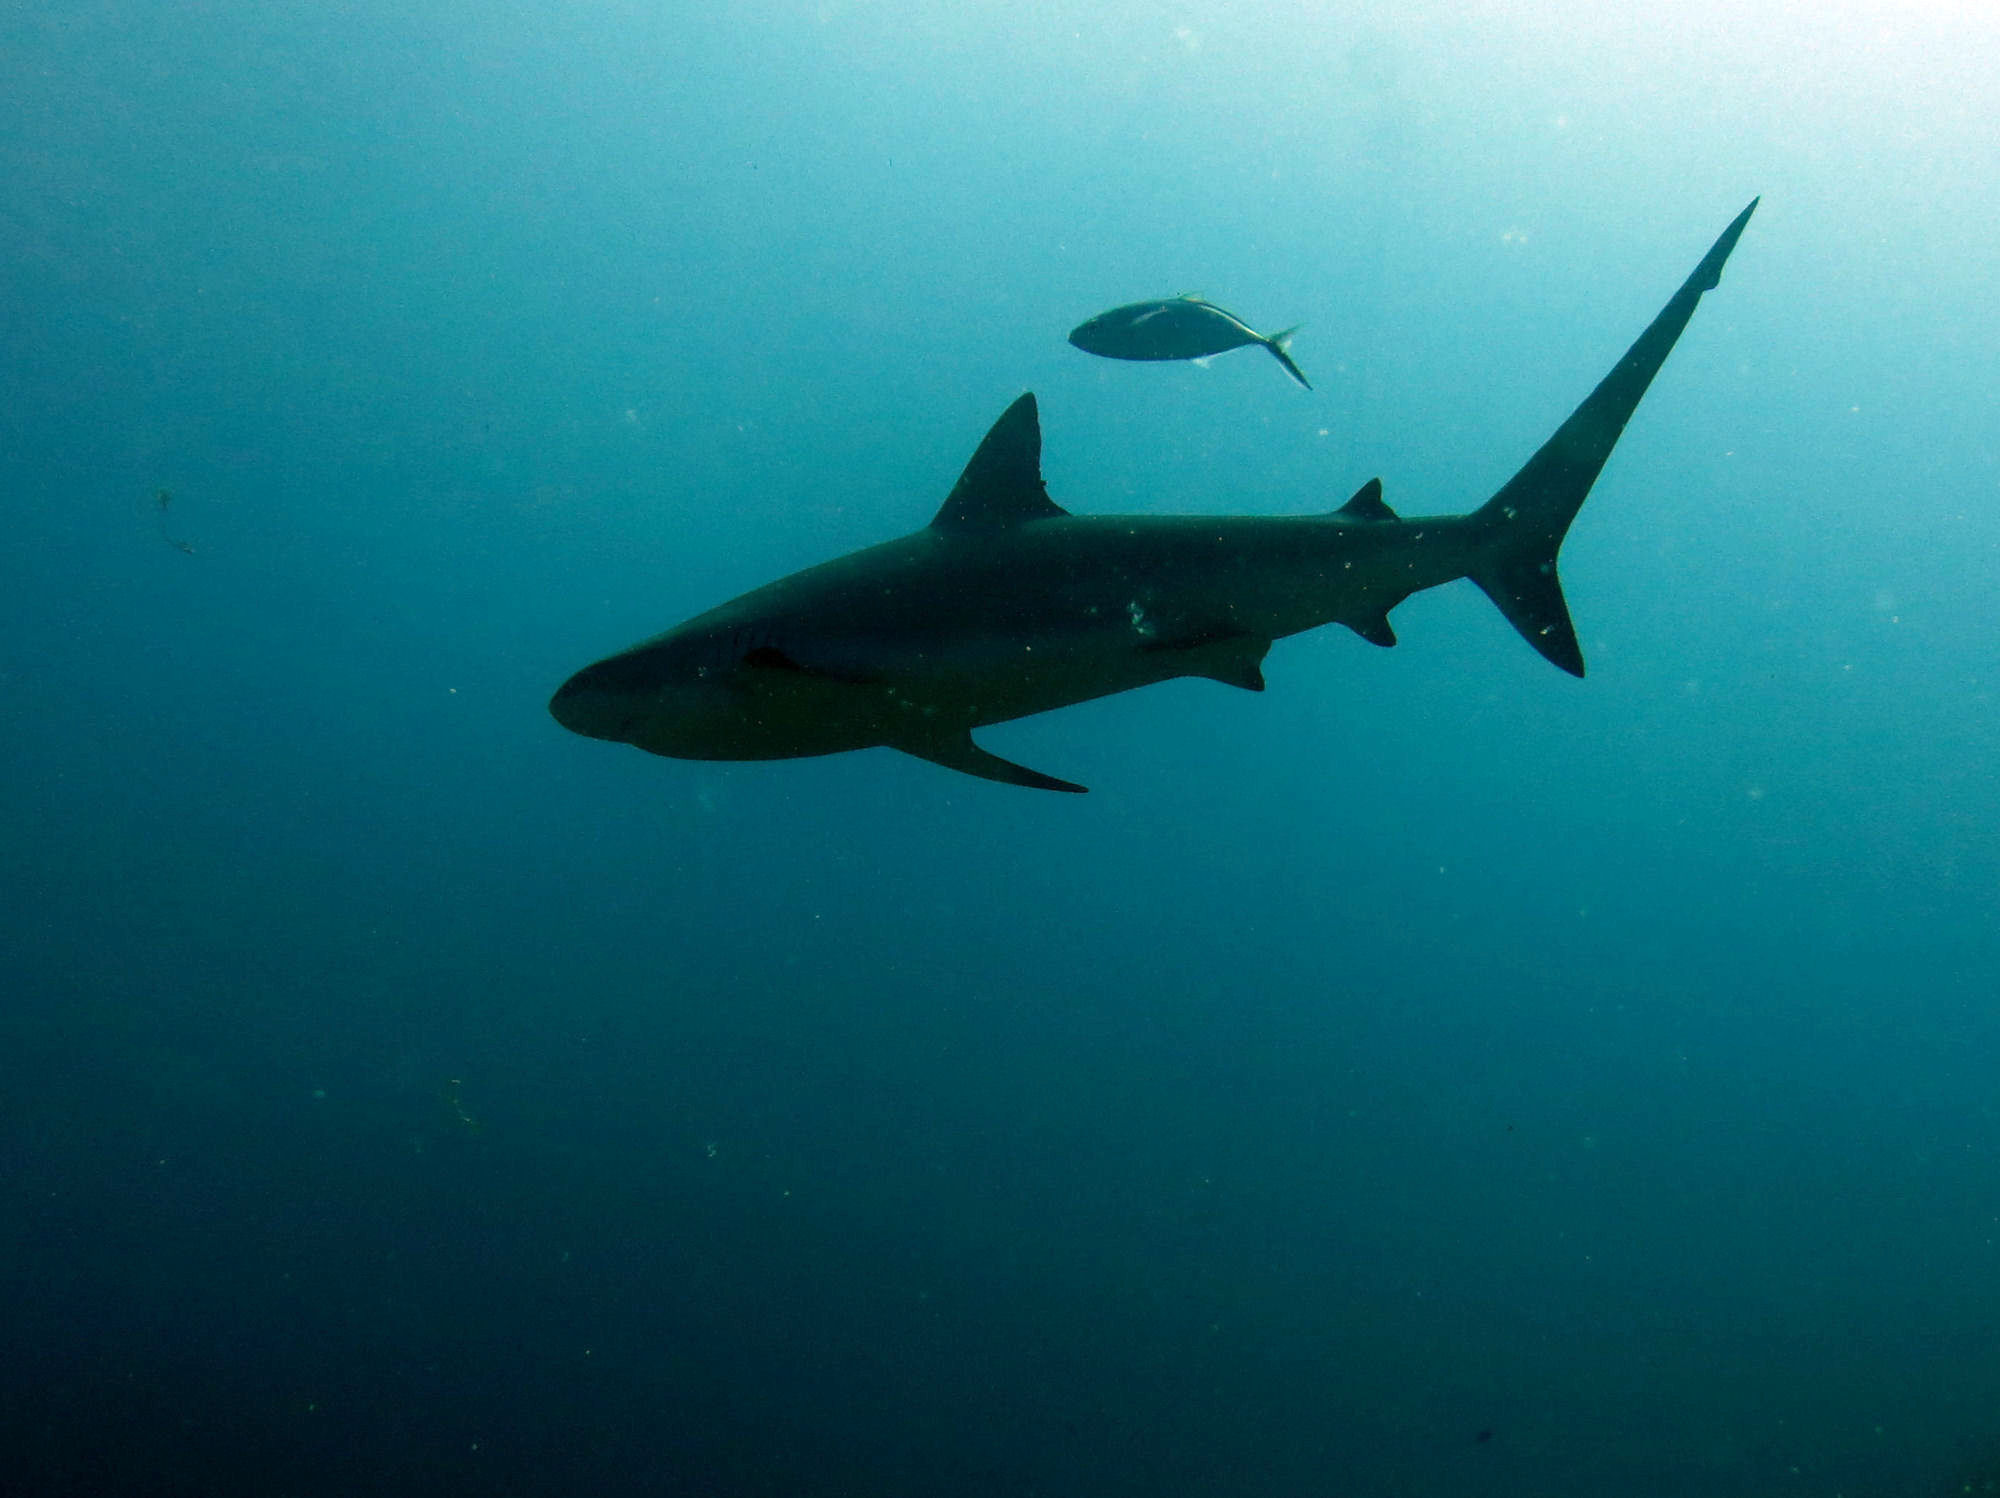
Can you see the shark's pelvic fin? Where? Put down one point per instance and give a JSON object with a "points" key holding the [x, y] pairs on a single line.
{"points": [[1367, 504], [1235, 660], [1002, 485], [1524, 524], [961, 754]]}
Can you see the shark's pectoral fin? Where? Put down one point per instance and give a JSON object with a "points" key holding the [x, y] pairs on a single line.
{"points": [[961, 754]]}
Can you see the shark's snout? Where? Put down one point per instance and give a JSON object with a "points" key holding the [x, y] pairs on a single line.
{"points": [[589, 705]]}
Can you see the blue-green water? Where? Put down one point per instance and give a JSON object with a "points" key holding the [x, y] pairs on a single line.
{"points": [[1433, 1075]]}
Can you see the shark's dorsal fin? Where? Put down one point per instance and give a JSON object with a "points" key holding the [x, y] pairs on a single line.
{"points": [[1002, 485], [1367, 504]]}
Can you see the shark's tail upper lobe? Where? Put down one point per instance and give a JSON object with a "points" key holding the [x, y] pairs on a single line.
{"points": [[1523, 525]]}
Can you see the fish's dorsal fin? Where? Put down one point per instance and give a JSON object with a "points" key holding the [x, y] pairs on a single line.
{"points": [[1002, 485], [1367, 504]]}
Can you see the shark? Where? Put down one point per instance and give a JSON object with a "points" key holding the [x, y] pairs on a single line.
{"points": [[1006, 604]]}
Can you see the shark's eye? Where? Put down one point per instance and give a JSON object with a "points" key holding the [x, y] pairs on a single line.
{"points": [[770, 658]]}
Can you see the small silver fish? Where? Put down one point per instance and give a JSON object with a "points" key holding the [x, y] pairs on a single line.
{"points": [[1182, 327]]}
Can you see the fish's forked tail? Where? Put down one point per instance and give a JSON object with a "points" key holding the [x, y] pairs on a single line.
{"points": [[1522, 527], [1280, 345]]}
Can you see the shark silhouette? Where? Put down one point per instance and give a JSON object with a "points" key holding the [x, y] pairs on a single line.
{"points": [[1006, 604]]}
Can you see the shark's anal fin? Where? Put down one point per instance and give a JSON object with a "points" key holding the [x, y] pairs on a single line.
{"points": [[1374, 629], [961, 754], [1235, 660]]}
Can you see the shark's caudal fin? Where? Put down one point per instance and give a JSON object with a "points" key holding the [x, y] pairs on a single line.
{"points": [[1280, 345], [1524, 524]]}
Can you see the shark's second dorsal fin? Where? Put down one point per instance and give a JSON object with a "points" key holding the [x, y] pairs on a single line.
{"points": [[1367, 504], [1002, 485]]}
